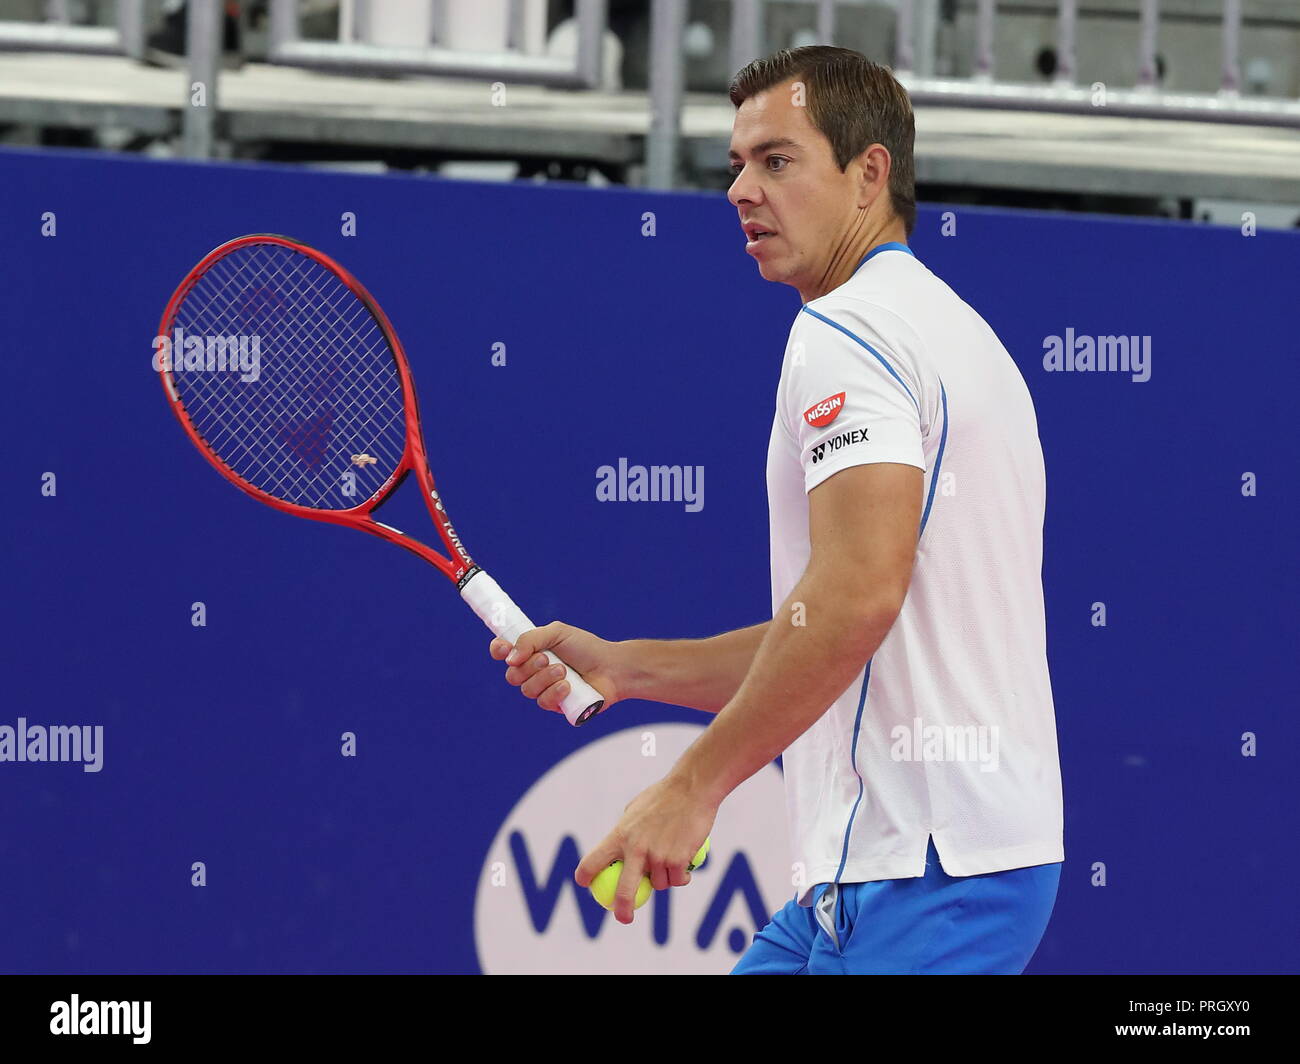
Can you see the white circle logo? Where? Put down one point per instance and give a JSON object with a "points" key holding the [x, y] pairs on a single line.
{"points": [[531, 918]]}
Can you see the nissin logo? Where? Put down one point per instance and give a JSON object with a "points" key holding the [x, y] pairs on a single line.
{"points": [[819, 415], [530, 917]]}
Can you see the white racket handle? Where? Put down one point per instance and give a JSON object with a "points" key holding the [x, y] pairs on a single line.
{"points": [[497, 610]]}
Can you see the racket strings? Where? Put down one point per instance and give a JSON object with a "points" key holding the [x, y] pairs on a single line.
{"points": [[307, 438], [296, 433], [325, 411], [224, 424], [256, 438]]}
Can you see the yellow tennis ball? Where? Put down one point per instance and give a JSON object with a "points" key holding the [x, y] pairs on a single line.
{"points": [[606, 883], [698, 859]]}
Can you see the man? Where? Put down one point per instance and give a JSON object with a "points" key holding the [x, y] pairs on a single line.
{"points": [[904, 673]]}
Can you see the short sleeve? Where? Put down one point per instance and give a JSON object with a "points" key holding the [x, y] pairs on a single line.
{"points": [[850, 394]]}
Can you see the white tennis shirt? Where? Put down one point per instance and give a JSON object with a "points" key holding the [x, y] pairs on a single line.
{"points": [[949, 731]]}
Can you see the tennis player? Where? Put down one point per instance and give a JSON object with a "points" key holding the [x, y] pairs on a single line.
{"points": [[903, 674]]}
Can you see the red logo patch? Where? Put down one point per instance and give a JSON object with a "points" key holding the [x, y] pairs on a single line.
{"points": [[821, 414]]}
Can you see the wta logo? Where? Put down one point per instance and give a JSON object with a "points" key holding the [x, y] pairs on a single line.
{"points": [[530, 917], [819, 415]]}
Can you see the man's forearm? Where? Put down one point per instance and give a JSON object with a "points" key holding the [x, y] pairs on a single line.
{"points": [[799, 670], [697, 673]]}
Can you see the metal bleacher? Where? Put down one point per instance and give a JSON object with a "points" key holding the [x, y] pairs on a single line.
{"points": [[425, 105]]}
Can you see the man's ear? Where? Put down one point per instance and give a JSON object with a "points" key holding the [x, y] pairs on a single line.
{"points": [[874, 166]]}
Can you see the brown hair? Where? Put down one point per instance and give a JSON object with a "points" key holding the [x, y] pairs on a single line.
{"points": [[853, 102]]}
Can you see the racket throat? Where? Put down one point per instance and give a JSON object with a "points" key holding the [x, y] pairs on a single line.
{"points": [[470, 573]]}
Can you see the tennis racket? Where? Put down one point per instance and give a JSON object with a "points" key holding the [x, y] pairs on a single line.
{"points": [[290, 380]]}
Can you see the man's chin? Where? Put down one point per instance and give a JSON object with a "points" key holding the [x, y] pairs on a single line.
{"points": [[770, 270]]}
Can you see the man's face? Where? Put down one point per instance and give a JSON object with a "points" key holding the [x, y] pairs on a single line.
{"points": [[786, 182]]}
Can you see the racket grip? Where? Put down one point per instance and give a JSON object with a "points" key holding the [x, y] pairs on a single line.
{"points": [[497, 610]]}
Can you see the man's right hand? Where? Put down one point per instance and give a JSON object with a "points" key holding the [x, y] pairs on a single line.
{"points": [[597, 660]]}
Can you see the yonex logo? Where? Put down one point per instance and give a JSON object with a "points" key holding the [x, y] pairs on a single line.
{"points": [[844, 439], [819, 415]]}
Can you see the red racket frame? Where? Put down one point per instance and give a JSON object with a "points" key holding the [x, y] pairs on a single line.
{"points": [[457, 565]]}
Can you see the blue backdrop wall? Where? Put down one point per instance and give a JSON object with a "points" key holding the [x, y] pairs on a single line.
{"points": [[222, 743]]}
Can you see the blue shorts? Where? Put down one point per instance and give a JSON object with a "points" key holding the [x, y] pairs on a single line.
{"points": [[934, 925]]}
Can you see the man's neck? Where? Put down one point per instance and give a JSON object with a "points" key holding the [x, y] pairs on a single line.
{"points": [[850, 253]]}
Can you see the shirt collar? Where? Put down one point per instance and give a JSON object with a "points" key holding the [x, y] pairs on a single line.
{"points": [[893, 245]]}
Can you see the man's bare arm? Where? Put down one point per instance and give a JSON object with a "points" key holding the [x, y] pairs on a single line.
{"points": [[698, 673], [701, 674], [863, 524]]}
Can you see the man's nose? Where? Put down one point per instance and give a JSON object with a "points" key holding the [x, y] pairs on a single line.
{"points": [[743, 190]]}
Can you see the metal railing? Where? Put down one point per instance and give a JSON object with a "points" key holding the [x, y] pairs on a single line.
{"points": [[1063, 96], [914, 47], [203, 32], [916, 32], [57, 34], [584, 72]]}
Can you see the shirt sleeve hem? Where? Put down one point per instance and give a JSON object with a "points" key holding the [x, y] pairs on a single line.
{"points": [[815, 476]]}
